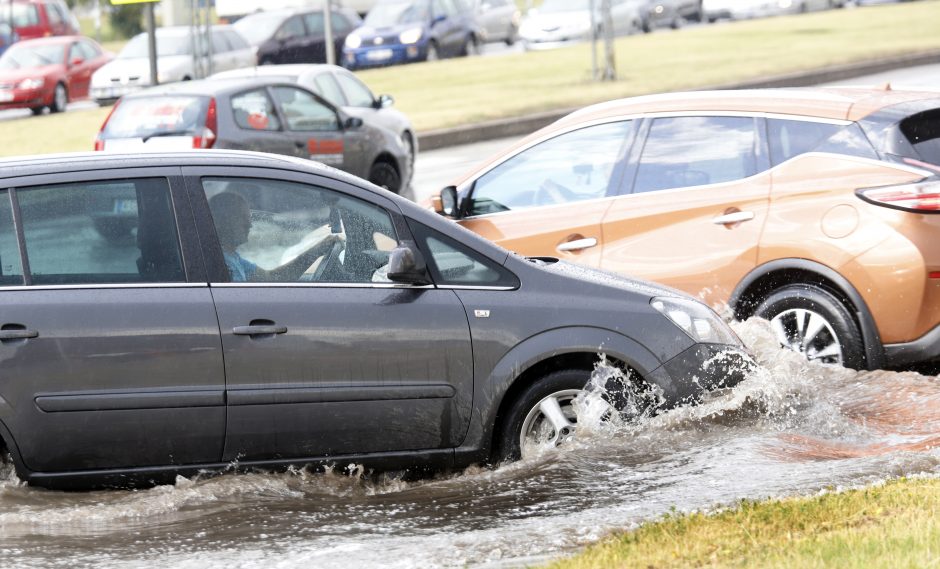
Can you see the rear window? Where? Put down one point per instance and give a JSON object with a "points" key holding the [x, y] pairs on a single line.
{"points": [[157, 116], [923, 133]]}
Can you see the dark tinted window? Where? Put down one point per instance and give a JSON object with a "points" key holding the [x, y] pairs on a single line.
{"points": [[11, 267], [101, 232], [923, 132], [789, 138], [571, 167], [453, 263], [274, 231], [694, 151]]}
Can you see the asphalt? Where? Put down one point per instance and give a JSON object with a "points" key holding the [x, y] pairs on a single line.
{"points": [[503, 128]]}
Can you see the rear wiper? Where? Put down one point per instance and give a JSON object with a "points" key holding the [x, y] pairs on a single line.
{"points": [[167, 133]]}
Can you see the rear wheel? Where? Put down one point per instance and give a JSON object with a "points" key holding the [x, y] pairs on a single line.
{"points": [[808, 319], [37, 110], [385, 175], [433, 54], [60, 98]]}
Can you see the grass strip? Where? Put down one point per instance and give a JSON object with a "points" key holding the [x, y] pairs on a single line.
{"points": [[467, 90], [894, 525]]}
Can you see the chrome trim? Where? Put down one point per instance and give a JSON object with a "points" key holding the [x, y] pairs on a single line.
{"points": [[736, 217], [102, 286], [319, 285], [578, 244], [472, 287]]}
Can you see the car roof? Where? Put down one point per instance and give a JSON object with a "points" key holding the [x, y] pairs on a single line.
{"points": [[210, 87], [48, 40], [839, 103], [285, 70]]}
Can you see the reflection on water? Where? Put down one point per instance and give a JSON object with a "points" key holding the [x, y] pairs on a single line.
{"points": [[791, 428]]}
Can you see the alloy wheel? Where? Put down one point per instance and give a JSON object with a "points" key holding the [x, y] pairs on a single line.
{"points": [[808, 333], [551, 422]]}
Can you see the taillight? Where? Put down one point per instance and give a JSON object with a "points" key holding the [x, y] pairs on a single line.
{"points": [[99, 142], [207, 138], [920, 197]]}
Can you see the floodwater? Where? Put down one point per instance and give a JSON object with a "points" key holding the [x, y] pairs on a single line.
{"points": [[792, 428]]}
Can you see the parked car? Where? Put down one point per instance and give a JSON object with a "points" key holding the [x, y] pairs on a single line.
{"points": [[498, 19], [345, 314], [405, 31], [343, 89], [814, 208], [49, 72], [670, 13], [130, 70], [263, 114], [743, 9], [295, 36], [39, 18], [560, 22]]}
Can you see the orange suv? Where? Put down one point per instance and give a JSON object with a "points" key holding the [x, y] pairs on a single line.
{"points": [[814, 208]]}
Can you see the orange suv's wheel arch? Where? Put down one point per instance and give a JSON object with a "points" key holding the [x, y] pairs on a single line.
{"points": [[762, 280]]}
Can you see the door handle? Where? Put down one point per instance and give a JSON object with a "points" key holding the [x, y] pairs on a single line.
{"points": [[734, 217], [578, 244], [259, 330], [17, 334]]}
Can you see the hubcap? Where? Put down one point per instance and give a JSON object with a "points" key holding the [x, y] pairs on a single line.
{"points": [[808, 333], [550, 423]]}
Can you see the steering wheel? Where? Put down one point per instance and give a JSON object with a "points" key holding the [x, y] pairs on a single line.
{"points": [[328, 261]]}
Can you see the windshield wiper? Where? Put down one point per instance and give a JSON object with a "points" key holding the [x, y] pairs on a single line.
{"points": [[167, 133]]}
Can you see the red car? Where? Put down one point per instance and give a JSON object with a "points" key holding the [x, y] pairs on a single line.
{"points": [[48, 72], [39, 18]]}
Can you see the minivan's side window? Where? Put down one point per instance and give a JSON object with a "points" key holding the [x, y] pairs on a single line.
{"points": [[694, 151], [120, 231], [277, 231], [789, 138], [453, 264], [11, 267], [254, 110], [303, 111], [571, 167]]}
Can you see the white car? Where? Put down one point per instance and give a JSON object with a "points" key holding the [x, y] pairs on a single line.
{"points": [[744, 9], [560, 22], [130, 70]]}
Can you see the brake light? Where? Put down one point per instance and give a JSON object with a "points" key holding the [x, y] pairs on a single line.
{"points": [[207, 138], [99, 142], [920, 197]]}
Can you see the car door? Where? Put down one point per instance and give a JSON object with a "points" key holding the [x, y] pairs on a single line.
{"points": [[317, 131], [251, 122], [292, 39], [315, 40], [78, 70], [328, 357], [550, 198], [446, 28], [699, 200], [109, 341]]}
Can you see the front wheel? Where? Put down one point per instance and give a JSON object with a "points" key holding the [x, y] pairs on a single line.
{"points": [[60, 99], [385, 175], [433, 54], [808, 319]]}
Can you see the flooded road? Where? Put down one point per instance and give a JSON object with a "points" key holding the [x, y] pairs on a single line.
{"points": [[792, 428]]}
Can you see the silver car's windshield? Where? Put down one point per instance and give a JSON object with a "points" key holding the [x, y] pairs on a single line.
{"points": [[167, 45]]}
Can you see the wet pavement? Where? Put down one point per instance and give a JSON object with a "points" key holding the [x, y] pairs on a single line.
{"points": [[792, 428]]}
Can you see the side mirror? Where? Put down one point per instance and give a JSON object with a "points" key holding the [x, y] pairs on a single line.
{"points": [[438, 19], [405, 265], [76, 61], [353, 122], [448, 202], [384, 101]]}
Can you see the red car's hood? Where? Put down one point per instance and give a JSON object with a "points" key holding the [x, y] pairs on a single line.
{"points": [[15, 75]]}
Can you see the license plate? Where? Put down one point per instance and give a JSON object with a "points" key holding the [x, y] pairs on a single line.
{"points": [[6, 96], [125, 206], [379, 54]]}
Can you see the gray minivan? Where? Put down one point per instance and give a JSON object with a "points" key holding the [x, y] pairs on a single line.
{"points": [[267, 311]]}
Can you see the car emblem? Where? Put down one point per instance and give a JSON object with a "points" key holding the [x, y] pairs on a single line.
{"points": [[481, 313], [379, 41]]}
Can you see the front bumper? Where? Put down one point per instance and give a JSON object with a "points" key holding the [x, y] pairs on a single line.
{"points": [[387, 54], [703, 368], [24, 98]]}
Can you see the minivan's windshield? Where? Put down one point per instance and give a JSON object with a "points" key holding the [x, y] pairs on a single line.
{"points": [[18, 57], [397, 12], [257, 28], [167, 45]]}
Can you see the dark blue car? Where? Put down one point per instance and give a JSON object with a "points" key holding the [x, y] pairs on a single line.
{"points": [[404, 31]]}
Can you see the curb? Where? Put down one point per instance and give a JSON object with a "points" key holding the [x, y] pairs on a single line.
{"points": [[517, 126]]}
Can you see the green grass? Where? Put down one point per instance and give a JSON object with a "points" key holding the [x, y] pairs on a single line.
{"points": [[465, 91], [896, 525]]}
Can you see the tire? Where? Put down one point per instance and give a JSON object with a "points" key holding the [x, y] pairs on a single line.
{"points": [[812, 321], [511, 37], [37, 110], [385, 175], [60, 98], [433, 53], [409, 142], [525, 418], [471, 46]]}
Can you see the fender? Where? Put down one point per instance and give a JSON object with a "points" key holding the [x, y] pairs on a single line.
{"points": [[874, 350], [14, 451], [489, 392]]}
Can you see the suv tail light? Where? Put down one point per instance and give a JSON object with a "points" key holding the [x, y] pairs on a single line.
{"points": [[99, 142], [919, 197], [207, 138]]}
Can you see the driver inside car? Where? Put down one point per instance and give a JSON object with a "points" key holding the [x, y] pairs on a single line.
{"points": [[232, 217]]}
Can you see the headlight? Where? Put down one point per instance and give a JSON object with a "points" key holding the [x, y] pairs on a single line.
{"points": [[353, 41], [697, 320], [410, 36], [31, 83]]}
